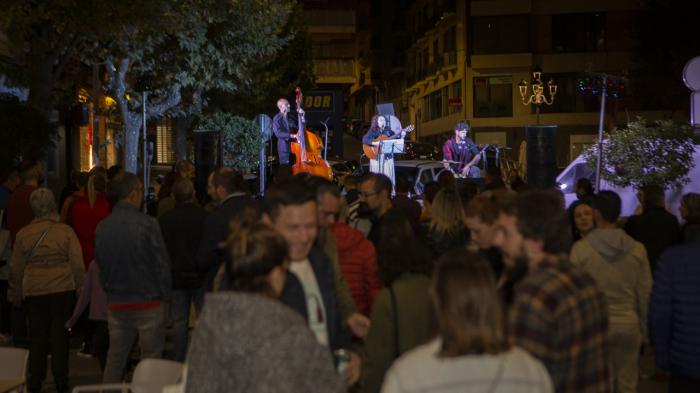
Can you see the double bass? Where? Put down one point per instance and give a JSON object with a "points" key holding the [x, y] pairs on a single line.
{"points": [[307, 148]]}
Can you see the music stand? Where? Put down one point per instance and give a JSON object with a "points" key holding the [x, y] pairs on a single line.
{"points": [[390, 146]]}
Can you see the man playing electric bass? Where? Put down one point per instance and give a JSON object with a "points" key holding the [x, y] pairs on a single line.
{"points": [[284, 129], [383, 162], [460, 153]]}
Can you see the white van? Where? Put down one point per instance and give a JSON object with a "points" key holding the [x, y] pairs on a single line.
{"points": [[579, 168]]}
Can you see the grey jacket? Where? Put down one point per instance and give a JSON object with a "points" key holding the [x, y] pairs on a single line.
{"points": [[133, 260], [620, 267], [254, 344]]}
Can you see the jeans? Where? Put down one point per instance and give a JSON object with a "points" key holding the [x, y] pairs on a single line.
{"points": [[124, 326], [180, 314], [100, 342], [46, 317]]}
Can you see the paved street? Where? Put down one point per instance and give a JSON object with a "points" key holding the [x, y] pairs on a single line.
{"points": [[87, 371]]}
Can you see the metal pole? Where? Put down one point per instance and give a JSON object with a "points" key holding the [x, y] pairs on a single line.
{"points": [[600, 133], [263, 169], [145, 151]]}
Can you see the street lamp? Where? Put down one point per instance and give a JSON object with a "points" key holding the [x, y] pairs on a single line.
{"points": [[537, 97]]}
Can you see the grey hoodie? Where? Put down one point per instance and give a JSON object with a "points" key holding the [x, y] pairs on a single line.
{"points": [[620, 267]]}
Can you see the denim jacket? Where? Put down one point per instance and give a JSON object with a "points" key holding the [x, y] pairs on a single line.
{"points": [[133, 260]]}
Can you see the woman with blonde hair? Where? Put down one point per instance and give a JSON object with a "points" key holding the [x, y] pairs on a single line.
{"points": [[445, 227], [471, 352], [246, 340]]}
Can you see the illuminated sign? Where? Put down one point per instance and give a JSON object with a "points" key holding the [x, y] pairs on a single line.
{"points": [[319, 101]]}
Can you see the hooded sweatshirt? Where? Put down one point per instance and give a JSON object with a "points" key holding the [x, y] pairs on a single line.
{"points": [[620, 267]]}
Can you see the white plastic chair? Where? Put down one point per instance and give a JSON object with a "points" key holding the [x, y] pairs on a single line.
{"points": [[150, 376], [14, 365]]}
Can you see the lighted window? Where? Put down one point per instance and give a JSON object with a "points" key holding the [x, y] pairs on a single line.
{"points": [[165, 142]]}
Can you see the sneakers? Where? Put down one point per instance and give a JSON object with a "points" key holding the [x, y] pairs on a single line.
{"points": [[84, 352]]}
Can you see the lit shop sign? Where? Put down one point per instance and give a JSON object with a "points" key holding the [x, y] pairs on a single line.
{"points": [[319, 101]]}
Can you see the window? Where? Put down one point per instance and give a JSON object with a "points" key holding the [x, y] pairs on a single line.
{"points": [[578, 32], [455, 97], [435, 104], [165, 142], [501, 34], [568, 97], [436, 51], [493, 96]]}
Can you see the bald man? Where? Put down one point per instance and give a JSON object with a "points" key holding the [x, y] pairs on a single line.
{"points": [[284, 127]]}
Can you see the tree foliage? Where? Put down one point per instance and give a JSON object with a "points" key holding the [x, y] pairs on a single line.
{"points": [[241, 140], [25, 133], [184, 47], [659, 153]]}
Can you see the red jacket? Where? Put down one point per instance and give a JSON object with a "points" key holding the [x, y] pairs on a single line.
{"points": [[84, 220], [19, 213], [358, 263]]}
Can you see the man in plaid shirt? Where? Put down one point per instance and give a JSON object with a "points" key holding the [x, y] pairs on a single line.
{"points": [[558, 313]]}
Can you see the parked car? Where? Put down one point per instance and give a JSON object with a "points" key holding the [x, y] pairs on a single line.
{"points": [[578, 168], [420, 151]]}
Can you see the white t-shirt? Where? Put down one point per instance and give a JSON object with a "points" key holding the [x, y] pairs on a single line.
{"points": [[422, 370], [314, 301]]}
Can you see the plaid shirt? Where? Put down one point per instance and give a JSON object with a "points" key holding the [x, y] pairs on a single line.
{"points": [[560, 317]]}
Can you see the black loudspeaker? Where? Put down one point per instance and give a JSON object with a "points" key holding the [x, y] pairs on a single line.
{"points": [[541, 156]]}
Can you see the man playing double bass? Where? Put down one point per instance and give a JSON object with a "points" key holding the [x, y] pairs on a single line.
{"points": [[284, 129], [460, 153]]}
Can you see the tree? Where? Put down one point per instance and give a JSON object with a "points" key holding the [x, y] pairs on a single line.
{"points": [[45, 38], [660, 153], [184, 46], [26, 134]]}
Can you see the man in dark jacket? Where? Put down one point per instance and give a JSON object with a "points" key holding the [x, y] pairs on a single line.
{"points": [[182, 229], [375, 196], [228, 189], [135, 275], [673, 316], [310, 288], [656, 228]]}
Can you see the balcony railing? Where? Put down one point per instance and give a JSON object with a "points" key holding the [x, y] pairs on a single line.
{"points": [[449, 59], [334, 68], [330, 21]]}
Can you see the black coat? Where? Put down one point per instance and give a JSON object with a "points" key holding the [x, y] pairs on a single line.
{"points": [[216, 230], [182, 231], [656, 229]]}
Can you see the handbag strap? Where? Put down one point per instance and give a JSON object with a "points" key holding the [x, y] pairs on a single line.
{"points": [[395, 313], [41, 238]]}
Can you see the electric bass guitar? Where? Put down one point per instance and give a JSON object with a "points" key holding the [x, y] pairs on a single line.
{"points": [[372, 151]]}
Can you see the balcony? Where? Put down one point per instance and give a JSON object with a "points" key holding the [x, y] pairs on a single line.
{"points": [[449, 60], [330, 21], [334, 71]]}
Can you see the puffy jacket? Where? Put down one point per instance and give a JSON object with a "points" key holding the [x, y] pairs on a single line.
{"points": [[674, 311], [358, 263]]}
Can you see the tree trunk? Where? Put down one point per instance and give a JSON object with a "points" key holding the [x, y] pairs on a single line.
{"points": [[96, 94], [132, 133], [42, 81]]}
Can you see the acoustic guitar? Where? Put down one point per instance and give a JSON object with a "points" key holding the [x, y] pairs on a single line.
{"points": [[372, 151]]}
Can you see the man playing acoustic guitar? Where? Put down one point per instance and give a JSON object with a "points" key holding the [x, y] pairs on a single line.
{"points": [[460, 153], [384, 162]]}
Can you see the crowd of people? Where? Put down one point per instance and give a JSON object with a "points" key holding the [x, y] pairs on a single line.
{"points": [[320, 287]]}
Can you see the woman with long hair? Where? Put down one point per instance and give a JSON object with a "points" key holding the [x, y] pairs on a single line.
{"points": [[581, 218], [445, 227], [248, 341], [471, 352], [384, 163], [402, 317]]}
